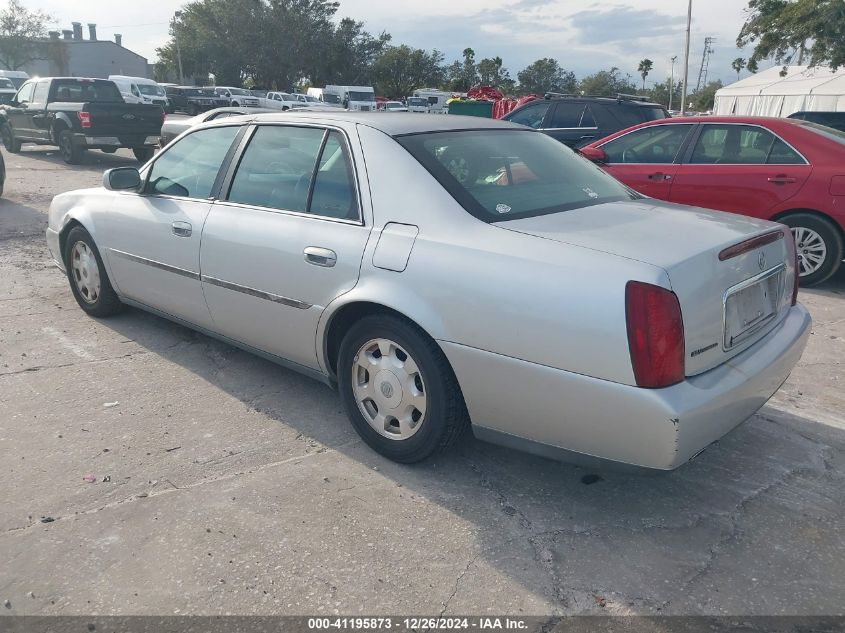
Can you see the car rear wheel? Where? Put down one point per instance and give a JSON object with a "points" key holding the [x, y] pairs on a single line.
{"points": [[819, 245], [193, 110], [398, 389], [12, 145], [89, 281], [71, 152]]}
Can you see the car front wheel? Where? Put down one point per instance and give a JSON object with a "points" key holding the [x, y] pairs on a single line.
{"points": [[87, 275], [143, 154], [819, 245], [398, 389]]}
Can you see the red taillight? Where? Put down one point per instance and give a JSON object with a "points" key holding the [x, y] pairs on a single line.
{"points": [[84, 119], [791, 261], [655, 335]]}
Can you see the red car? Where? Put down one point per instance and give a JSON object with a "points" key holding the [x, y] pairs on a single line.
{"points": [[786, 170]]}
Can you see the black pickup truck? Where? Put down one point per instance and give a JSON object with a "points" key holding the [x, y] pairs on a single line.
{"points": [[79, 114]]}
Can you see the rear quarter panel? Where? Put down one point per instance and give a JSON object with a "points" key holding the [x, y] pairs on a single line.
{"points": [[478, 285]]}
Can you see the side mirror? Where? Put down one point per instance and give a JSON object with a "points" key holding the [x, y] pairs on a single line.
{"points": [[594, 154], [122, 179]]}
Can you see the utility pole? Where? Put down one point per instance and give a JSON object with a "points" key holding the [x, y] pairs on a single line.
{"points": [[176, 16], [686, 61], [672, 80]]}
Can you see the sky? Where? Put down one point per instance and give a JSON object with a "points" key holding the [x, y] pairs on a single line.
{"points": [[583, 35]]}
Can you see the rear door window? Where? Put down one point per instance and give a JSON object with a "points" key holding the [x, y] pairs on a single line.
{"points": [[737, 145]]}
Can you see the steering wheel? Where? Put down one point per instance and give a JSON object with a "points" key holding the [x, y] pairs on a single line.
{"points": [[630, 156]]}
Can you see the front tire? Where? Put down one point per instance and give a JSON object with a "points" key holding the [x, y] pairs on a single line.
{"points": [[193, 110], [819, 244], [88, 279], [71, 152], [12, 145], [398, 389], [143, 154]]}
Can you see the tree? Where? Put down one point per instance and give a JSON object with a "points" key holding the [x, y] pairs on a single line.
{"points": [[272, 43], [546, 75], [491, 73], [738, 64], [660, 93], [21, 35], [645, 68], [807, 31], [401, 69], [605, 83], [704, 98], [463, 75]]}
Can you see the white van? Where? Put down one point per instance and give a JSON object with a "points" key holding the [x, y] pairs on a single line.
{"points": [[17, 77], [360, 98], [141, 90], [436, 98]]}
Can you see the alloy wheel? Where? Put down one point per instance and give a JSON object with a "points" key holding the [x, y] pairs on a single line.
{"points": [[812, 250], [389, 389], [86, 272]]}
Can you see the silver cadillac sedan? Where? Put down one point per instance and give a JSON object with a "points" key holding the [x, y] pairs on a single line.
{"points": [[447, 273]]}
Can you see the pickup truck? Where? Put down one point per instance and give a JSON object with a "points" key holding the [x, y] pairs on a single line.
{"points": [[78, 114]]}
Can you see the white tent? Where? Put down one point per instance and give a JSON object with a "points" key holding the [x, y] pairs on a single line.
{"points": [[768, 94]]}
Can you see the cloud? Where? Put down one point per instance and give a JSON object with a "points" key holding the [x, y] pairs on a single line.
{"points": [[624, 24]]}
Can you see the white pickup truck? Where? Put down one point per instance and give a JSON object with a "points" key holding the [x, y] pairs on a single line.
{"points": [[281, 101], [236, 96]]}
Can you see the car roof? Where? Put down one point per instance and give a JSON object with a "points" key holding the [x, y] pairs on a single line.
{"points": [[398, 124]]}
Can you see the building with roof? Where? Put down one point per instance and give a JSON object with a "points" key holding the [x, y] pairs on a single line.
{"points": [[68, 54], [767, 93]]}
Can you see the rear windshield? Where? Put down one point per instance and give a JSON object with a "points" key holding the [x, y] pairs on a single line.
{"points": [[85, 91], [500, 175], [653, 114], [830, 133]]}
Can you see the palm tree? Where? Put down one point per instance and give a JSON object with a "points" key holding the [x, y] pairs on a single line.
{"points": [[738, 64], [645, 68]]}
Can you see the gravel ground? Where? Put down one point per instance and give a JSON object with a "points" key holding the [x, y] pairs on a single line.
{"points": [[225, 484]]}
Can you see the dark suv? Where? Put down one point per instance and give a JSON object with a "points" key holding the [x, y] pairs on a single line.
{"points": [[836, 120], [577, 120]]}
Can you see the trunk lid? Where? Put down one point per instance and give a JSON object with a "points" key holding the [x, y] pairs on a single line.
{"points": [[727, 304]]}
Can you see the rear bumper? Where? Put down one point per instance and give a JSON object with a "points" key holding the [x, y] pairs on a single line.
{"points": [[108, 142], [542, 409]]}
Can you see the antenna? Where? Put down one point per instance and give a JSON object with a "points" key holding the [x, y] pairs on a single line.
{"points": [[705, 63]]}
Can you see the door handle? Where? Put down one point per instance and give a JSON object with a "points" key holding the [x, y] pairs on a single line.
{"points": [[181, 229], [660, 176], [324, 257], [782, 179]]}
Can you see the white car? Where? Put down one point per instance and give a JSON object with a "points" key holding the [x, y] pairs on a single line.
{"points": [[394, 106], [448, 272]]}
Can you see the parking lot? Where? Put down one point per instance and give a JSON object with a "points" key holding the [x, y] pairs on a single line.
{"points": [[223, 484]]}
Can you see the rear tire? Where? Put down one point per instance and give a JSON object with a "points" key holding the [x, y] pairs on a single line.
{"points": [[71, 152], [12, 145], [819, 244], [405, 403], [88, 279], [143, 154], [193, 110], [109, 150]]}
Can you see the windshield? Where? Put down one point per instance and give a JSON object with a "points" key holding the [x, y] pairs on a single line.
{"points": [[393, 105], [151, 90], [238, 91], [330, 97], [417, 101], [501, 175], [6, 84], [82, 91], [361, 96]]}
